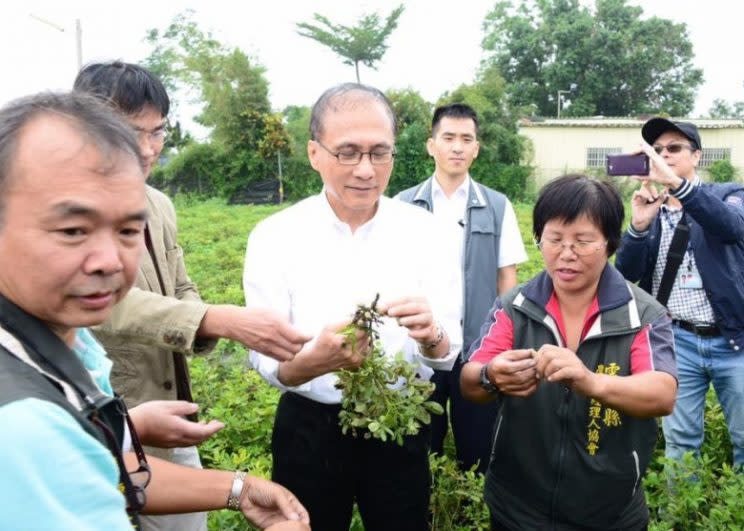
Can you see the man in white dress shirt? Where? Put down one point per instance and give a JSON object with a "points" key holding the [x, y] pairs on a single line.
{"points": [[490, 247], [314, 262]]}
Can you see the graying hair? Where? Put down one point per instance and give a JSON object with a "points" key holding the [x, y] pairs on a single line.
{"points": [[94, 120], [346, 94]]}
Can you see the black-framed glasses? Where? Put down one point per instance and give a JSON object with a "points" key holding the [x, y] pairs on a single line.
{"points": [[673, 147], [352, 157], [580, 248]]}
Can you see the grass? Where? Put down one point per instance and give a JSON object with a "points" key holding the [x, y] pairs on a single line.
{"points": [[213, 235]]}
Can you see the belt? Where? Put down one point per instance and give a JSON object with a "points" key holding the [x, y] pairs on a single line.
{"points": [[698, 330]]}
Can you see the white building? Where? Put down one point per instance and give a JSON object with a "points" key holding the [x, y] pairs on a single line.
{"points": [[561, 146]]}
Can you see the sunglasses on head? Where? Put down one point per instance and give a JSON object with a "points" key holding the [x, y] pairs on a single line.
{"points": [[674, 147]]}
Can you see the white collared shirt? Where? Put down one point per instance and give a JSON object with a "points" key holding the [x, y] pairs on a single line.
{"points": [[306, 264], [453, 211]]}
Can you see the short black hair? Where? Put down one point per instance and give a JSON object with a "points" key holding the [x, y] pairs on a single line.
{"points": [[458, 111], [128, 87], [569, 197], [346, 93]]}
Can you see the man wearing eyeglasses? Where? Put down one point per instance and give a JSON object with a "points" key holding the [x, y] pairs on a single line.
{"points": [[704, 288], [163, 318], [313, 263], [490, 246]]}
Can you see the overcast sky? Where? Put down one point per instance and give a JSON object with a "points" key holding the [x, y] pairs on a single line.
{"points": [[435, 48]]}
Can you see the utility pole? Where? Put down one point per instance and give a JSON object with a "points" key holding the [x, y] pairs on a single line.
{"points": [[560, 98], [61, 29], [79, 43]]}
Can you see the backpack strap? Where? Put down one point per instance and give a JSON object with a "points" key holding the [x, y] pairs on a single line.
{"points": [[14, 347]]}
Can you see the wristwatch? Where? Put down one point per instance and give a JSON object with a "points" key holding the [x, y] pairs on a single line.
{"points": [[485, 382]]}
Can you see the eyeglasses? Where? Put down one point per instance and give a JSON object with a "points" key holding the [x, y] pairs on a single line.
{"points": [[156, 136], [674, 147], [580, 248], [352, 157]]}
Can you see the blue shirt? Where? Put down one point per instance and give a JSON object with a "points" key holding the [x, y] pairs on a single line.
{"points": [[55, 475]]}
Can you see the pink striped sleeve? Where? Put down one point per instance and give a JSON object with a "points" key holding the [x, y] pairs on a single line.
{"points": [[500, 337], [641, 352], [653, 348]]}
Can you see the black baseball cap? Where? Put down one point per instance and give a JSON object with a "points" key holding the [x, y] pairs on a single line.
{"points": [[656, 127]]}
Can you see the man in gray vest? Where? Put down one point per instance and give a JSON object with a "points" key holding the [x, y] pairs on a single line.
{"points": [[490, 248]]}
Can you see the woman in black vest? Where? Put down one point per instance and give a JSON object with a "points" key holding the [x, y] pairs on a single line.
{"points": [[581, 362]]}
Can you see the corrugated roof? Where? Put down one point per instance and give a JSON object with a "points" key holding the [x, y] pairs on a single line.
{"points": [[602, 121]]}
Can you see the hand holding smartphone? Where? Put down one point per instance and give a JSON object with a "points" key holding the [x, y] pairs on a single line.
{"points": [[621, 165]]}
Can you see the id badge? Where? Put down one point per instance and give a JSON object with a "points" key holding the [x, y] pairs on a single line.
{"points": [[689, 280]]}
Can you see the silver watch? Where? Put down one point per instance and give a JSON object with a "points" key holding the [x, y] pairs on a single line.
{"points": [[485, 382]]}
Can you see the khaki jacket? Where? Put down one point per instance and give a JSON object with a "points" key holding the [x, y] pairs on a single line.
{"points": [[154, 325]]}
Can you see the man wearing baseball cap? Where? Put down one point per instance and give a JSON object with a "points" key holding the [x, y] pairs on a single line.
{"points": [[685, 245]]}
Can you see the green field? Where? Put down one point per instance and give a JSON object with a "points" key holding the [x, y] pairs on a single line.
{"points": [[213, 236]]}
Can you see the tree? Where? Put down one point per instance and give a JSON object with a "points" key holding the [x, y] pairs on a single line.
{"points": [[619, 63], [499, 162], [301, 180], [363, 43], [723, 109], [247, 138], [412, 163]]}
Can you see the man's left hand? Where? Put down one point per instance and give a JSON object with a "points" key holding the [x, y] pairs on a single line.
{"points": [[161, 423], [414, 313], [265, 503]]}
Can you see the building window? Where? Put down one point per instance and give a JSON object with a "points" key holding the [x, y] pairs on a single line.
{"points": [[596, 156], [711, 155]]}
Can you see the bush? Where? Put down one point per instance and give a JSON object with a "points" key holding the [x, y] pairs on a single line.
{"points": [[412, 163], [198, 169], [246, 404], [722, 171], [509, 179], [300, 179], [705, 492], [456, 497]]}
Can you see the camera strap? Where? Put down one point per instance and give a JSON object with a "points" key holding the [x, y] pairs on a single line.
{"points": [[22, 334], [675, 255]]}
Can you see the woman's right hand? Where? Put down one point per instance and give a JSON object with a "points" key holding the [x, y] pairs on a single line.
{"points": [[514, 372]]}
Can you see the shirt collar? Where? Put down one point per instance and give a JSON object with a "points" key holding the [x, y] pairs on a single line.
{"points": [[612, 290], [460, 191], [328, 216]]}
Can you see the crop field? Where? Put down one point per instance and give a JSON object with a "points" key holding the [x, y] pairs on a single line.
{"points": [[213, 236]]}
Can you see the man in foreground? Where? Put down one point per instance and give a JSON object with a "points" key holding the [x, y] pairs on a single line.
{"points": [[72, 217], [163, 318]]}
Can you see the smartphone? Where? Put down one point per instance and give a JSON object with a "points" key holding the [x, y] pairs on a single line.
{"points": [[627, 164]]}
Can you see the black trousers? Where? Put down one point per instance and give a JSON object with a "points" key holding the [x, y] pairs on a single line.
{"points": [[496, 526], [329, 471], [472, 424]]}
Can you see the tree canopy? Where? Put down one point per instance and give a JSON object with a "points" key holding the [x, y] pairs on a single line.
{"points": [[246, 137], [724, 109], [363, 43], [608, 59]]}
